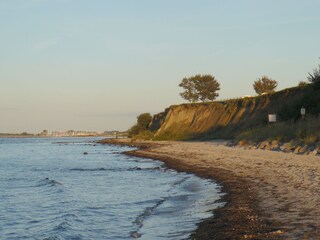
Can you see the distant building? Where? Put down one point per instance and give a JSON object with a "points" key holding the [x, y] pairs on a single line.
{"points": [[73, 133], [111, 133], [44, 133]]}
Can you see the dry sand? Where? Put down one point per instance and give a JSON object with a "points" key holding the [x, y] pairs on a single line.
{"points": [[271, 195]]}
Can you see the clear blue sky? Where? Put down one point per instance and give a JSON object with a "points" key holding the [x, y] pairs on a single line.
{"points": [[95, 65]]}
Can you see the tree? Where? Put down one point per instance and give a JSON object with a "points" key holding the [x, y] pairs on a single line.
{"points": [[302, 84], [190, 92], [143, 121], [200, 87], [265, 85], [315, 76]]}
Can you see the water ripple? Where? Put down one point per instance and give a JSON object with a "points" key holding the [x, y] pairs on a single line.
{"points": [[48, 182], [52, 192]]}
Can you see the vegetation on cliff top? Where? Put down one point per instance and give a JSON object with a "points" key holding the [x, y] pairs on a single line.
{"points": [[243, 118], [265, 85], [315, 76], [200, 87]]}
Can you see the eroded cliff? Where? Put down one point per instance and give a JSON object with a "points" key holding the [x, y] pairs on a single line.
{"points": [[225, 119]]}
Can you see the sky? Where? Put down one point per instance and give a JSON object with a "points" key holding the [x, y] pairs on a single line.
{"points": [[95, 65]]}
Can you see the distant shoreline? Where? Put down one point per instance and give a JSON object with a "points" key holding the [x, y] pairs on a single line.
{"points": [[37, 136], [270, 195], [18, 136]]}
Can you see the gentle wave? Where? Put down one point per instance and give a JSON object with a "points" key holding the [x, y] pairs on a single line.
{"points": [[92, 169], [147, 212], [117, 169], [54, 192], [49, 182]]}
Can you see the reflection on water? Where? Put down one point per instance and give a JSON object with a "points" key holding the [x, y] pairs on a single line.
{"points": [[54, 191]]}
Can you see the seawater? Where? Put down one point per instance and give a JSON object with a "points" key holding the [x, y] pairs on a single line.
{"points": [[51, 190]]}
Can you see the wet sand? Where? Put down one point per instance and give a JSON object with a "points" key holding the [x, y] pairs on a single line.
{"points": [[270, 195]]}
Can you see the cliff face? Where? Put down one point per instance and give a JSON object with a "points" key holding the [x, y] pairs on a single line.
{"points": [[226, 119]]}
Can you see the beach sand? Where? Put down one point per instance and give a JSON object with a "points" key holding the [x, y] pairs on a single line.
{"points": [[270, 195]]}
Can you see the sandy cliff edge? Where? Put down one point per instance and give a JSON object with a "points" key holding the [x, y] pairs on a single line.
{"points": [[229, 118]]}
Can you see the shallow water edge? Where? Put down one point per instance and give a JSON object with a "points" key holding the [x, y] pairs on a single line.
{"points": [[51, 189], [239, 218]]}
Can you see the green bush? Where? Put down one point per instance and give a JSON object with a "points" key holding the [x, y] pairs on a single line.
{"points": [[142, 125], [134, 130], [143, 135]]}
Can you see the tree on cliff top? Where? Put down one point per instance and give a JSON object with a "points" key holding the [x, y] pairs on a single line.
{"points": [[265, 85], [315, 76], [200, 87]]}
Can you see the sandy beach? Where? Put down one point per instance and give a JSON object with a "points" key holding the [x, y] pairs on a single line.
{"points": [[270, 195]]}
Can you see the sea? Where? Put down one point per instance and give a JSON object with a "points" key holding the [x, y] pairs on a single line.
{"points": [[74, 189]]}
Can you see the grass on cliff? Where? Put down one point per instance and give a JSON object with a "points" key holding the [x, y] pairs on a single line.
{"points": [[305, 131], [168, 135], [143, 135]]}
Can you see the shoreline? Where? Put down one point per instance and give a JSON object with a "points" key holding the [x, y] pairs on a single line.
{"points": [[239, 218], [38, 136]]}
